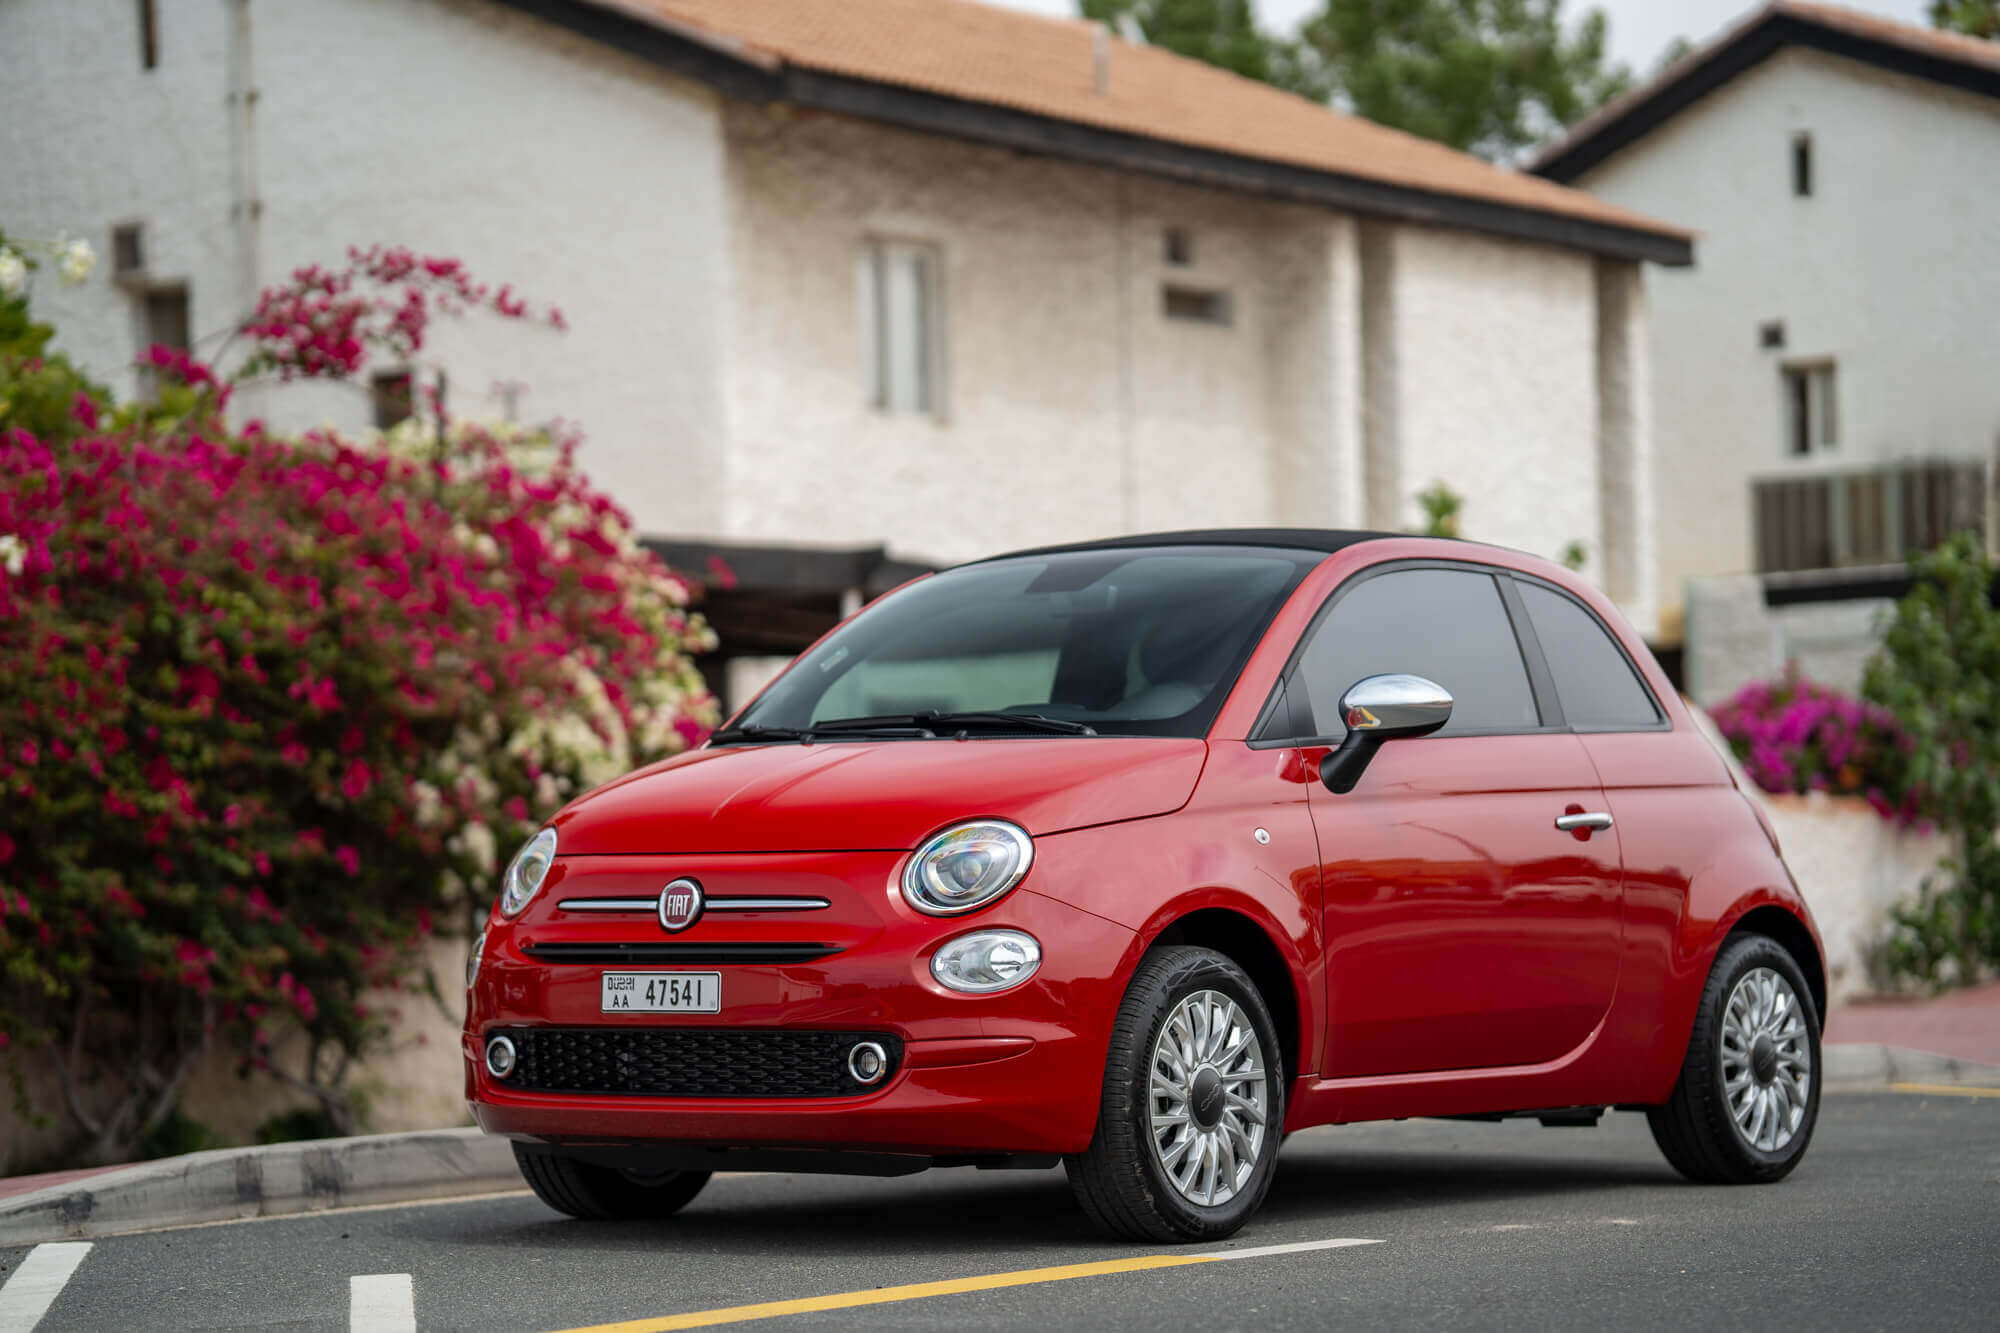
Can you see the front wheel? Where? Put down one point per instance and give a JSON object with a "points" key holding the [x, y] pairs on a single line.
{"points": [[1193, 1104], [605, 1193], [1748, 1096]]}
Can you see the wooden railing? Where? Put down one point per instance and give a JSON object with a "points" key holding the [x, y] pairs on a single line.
{"points": [[1865, 516]]}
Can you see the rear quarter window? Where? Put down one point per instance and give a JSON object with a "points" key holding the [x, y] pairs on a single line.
{"points": [[1599, 689]]}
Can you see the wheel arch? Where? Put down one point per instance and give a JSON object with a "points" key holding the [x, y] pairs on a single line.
{"points": [[1245, 942], [1792, 934]]}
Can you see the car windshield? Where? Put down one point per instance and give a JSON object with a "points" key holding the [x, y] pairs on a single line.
{"points": [[1131, 642]]}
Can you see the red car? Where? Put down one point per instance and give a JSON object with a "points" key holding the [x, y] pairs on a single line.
{"points": [[1138, 855]]}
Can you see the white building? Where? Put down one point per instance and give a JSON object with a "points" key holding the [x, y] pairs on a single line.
{"points": [[1827, 381], [915, 272]]}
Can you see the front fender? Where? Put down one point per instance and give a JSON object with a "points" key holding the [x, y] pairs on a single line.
{"points": [[1149, 874]]}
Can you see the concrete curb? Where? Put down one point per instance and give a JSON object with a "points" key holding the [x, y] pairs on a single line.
{"points": [[1849, 1067], [269, 1181]]}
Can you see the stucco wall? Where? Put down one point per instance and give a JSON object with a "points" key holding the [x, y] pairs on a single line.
{"points": [[582, 176], [1076, 408], [1073, 406], [1496, 386], [1891, 268]]}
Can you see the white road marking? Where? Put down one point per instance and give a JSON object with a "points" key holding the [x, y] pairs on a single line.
{"points": [[381, 1303], [1296, 1247], [35, 1285]]}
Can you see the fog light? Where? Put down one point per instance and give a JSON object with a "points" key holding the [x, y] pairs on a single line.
{"points": [[986, 961], [867, 1062], [499, 1057]]}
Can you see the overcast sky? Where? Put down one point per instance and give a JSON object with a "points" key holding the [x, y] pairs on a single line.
{"points": [[1640, 29]]}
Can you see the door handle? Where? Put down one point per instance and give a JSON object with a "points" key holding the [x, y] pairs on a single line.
{"points": [[1595, 819]]}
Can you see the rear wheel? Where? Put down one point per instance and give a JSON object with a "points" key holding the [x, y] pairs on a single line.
{"points": [[1193, 1104], [1748, 1096], [605, 1193]]}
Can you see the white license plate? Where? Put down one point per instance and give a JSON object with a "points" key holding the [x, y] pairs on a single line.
{"points": [[662, 993]]}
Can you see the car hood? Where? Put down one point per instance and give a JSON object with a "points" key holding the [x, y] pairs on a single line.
{"points": [[876, 796]]}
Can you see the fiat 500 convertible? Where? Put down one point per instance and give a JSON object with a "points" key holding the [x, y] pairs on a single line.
{"points": [[1138, 855]]}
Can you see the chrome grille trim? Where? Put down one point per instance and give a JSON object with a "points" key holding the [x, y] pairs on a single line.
{"points": [[649, 905]]}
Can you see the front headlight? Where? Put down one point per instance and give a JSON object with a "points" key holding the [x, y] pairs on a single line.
{"points": [[526, 872], [966, 867]]}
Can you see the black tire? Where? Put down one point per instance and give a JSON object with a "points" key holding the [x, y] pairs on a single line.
{"points": [[1696, 1128], [605, 1193], [1119, 1179]]}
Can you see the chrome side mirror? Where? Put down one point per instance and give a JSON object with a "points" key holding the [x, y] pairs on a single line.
{"points": [[1378, 709]]}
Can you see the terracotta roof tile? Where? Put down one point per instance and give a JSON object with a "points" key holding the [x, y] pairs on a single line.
{"points": [[1947, 45], [1049, 67]]}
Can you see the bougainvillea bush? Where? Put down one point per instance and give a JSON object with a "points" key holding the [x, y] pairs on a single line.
{"points": [[274, 709], [1792, 735]]}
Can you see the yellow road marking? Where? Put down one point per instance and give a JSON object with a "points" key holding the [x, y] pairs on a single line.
{"points": [[916, 1291], [1944, 1090]]}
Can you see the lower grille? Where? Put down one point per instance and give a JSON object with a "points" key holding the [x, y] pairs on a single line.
{"points": [[692, 1062]]}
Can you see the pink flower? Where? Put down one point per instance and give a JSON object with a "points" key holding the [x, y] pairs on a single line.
{"points": [[350, 860], [354, 783]]}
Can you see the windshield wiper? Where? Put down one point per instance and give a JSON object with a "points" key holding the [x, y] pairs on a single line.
{"points": [[918, 726], [933, 720], [1026, 721], [755, 732], [894, 727]]}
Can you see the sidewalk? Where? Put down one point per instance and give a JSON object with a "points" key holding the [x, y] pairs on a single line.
{"points": [[11, 1185], [1964, 1024]]}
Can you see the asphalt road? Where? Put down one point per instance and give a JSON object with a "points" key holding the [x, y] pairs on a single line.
{"points": [[1893, 1220]]}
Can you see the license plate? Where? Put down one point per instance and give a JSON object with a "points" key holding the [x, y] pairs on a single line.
{"points": [[662, 993]]}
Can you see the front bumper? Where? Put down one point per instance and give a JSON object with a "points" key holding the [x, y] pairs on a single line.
{"points": [[1015, 1073]]}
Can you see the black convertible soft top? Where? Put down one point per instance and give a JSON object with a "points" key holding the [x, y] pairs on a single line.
{"points": [[1328, 540]]}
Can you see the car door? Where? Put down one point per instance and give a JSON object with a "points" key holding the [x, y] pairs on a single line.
{"points": [[1464, 929]]}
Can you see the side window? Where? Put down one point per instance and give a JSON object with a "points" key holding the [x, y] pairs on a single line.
{"points": [[1446, 625], [1594, 679]]}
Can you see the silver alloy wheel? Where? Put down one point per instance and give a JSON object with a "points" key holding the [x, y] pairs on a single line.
{"points": [[1766, 1059], [1209, 1100]]}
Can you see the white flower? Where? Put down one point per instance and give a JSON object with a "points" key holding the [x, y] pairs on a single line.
{"points": [[13, 553], [429, 805], [13, 273], [74, 260], [475, 840]]}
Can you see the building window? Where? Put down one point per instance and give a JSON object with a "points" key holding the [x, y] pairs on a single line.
{"points": [[165, 324], [1802, 166], [167, 317], [902, 318], [1771, 335], [1811, 424], [394, 393], [1201, 305], [1178, 243], [149, 34]]}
